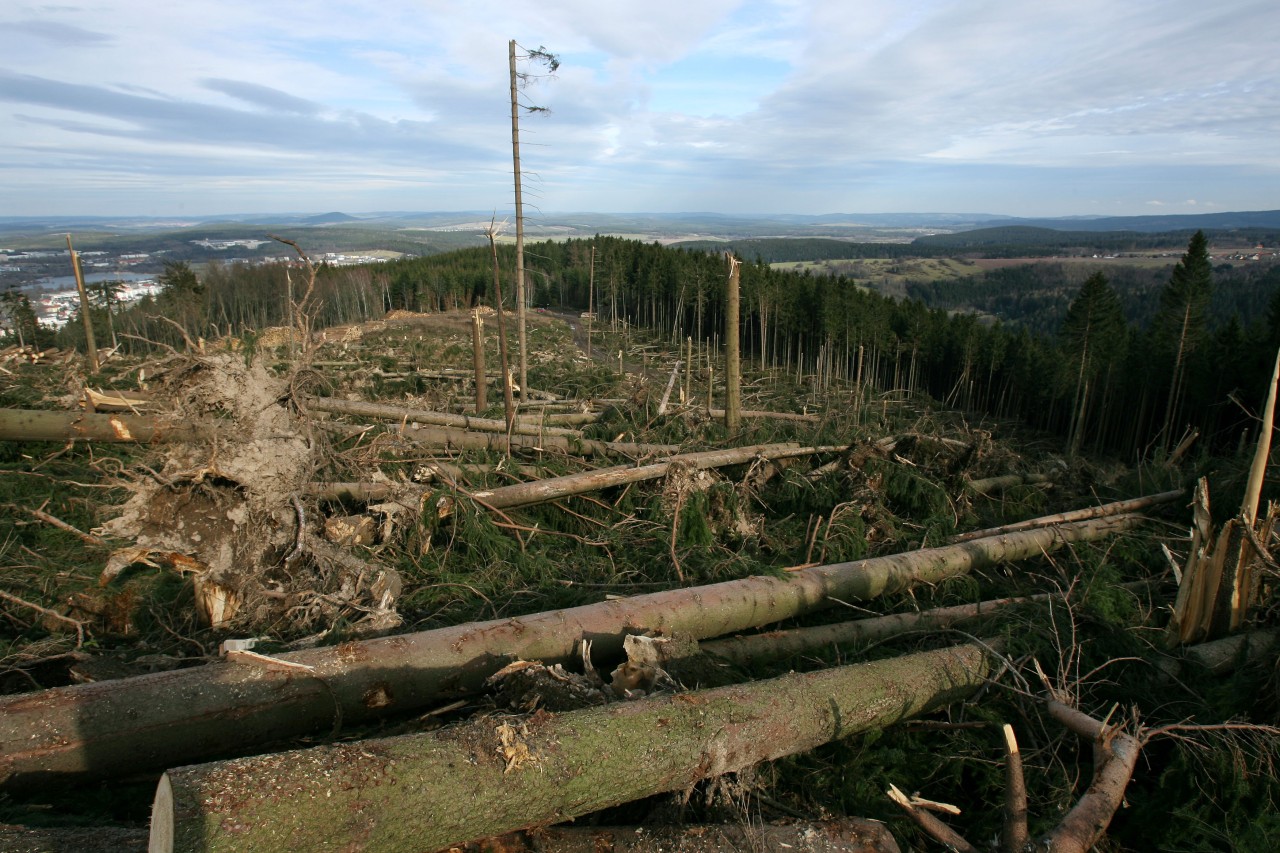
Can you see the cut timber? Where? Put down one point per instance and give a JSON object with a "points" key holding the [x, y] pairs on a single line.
{"points": [[164, 719], [417, 416], [40, 425], [494, 775]]}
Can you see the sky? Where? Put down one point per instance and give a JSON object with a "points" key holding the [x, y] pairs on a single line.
{"points": [[1042, 108]]}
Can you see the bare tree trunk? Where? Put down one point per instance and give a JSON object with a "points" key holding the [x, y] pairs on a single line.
{"points": [[508, 403], [494, 775], [91, 345], [165, 719], [520, 283], [733, 365], [477, 345]]}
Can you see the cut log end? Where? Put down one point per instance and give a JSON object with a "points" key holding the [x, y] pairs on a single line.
{"points": [[161, 840]]}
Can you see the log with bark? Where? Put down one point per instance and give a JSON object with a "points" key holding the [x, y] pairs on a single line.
{"points": [[41, 425], [553, 488], [446, 438], [497, 774], [417, 416], [1115, 508], [164, 719]]}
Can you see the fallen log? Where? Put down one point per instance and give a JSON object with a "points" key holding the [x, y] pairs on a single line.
{"points": [[772, 645], [1116, 508], [446, 438], [418, 416], [776, 416], [41, 425], [553, 488], [164, 719], [497, 774], [525, 494], [990, 485]]}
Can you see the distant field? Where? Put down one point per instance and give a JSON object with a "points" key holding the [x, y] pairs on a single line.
{"points": [[887, 275]]}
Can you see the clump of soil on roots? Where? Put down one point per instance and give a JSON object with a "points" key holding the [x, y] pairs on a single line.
{"points": [[230, 509]]}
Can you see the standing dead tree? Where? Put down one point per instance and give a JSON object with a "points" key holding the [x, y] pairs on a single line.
{"points": [[518, 80]]}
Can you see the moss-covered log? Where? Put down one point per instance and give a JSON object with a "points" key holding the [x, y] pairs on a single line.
{"points": [[496, 774], [164, 719]]}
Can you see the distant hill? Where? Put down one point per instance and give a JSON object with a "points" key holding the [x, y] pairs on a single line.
{"points": [[1149, 224], [327, 219]]}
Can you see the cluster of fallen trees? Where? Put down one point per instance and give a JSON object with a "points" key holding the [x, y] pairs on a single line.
{"points": [[499, 773]]}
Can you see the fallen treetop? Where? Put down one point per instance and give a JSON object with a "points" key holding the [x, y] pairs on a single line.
{"points": [[495, 774], [164, 719]]}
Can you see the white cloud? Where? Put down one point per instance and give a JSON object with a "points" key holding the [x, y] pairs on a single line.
{"points": [[667, 104]]}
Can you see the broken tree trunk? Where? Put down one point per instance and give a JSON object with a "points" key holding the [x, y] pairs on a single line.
{"points": [[417, 416], [164, 719], [493, 775], [39, 425]]}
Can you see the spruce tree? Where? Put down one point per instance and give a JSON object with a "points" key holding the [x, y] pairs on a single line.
{"points": [[1093, 337], [1180, 321]]}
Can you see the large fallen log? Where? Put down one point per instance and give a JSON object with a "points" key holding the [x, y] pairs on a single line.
{"points": [[40, 425], [165, 719], [496, 774], [418, 416]]}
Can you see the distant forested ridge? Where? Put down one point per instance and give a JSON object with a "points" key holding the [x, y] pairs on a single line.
{"points": [[1151, 380]]}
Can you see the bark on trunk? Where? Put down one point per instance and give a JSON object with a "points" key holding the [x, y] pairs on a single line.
{"points": [[758, 648], [524, 494], [164, 719], [1134, 505], [775, 416], [999, 484], [38, 425], [495, 774], [417, 416], [461, 439]]}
